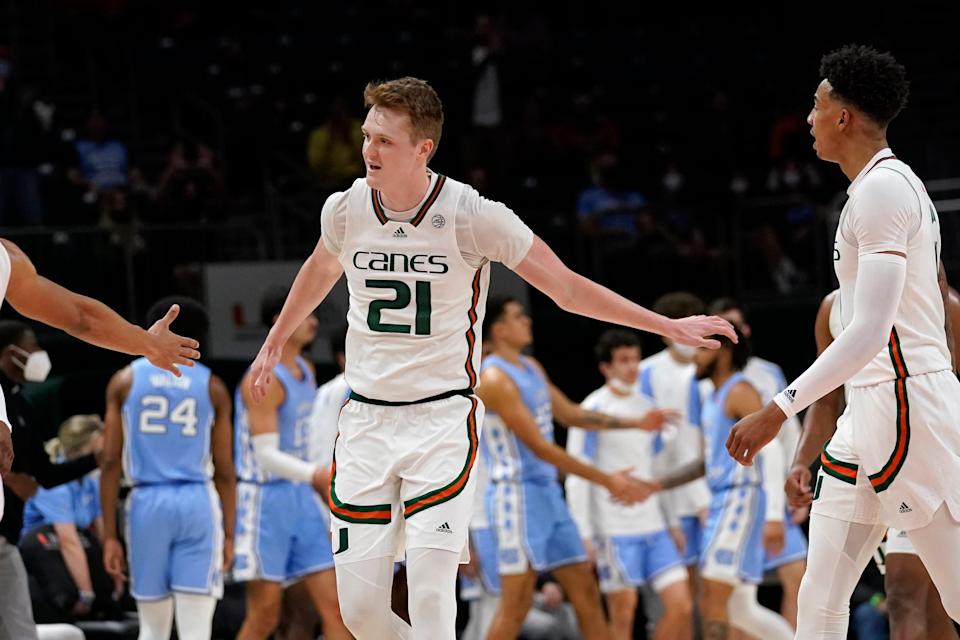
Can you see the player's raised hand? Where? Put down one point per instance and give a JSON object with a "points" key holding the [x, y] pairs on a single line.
{"points": [[261, 372], [113, 560], [656, 419], [753, 433], [166, 349], [694, 331], [797, 487]]}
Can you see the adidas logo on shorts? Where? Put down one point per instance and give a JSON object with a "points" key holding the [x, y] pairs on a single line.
{"points": [[399, 233], [444, 528], [904, 508]]}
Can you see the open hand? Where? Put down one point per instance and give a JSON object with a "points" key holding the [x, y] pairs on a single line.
{"points": [[657, 419], [261, 371], [166, 349], [694, 331]]}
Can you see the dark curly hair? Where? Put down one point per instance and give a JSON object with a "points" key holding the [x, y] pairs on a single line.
{"points": [[873, 82]]}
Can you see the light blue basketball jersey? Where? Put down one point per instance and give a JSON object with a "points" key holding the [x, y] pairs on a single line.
{"points": [[508, 458], [293, 419], [723, 472], [167, 423]]}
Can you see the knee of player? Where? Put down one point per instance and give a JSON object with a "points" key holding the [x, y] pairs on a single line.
{"points": [[622, 608], [264, 617], [516, 610], [905, 599], [357, 611], [678, 607]]}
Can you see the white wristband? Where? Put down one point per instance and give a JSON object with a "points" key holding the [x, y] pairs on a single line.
{"points": [[266, 446]]}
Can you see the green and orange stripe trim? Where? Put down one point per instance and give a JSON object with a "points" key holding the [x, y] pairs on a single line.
{"points": [[452, 490], [882, 479], [471, 335], [370, 514], [846, 471], [381, 214]]}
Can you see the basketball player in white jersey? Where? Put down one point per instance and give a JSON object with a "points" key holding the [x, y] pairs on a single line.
{"points": [[913, 603], [667, 377], [783, 522], [416, 247], [85, 318], [632, 545], [897, 445]]}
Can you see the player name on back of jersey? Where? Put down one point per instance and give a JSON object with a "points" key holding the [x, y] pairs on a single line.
{"points": [[400, 262], [167, 381]]}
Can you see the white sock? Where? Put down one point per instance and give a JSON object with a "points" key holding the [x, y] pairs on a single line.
{"points": [[364, 589], [431, 590], [156, 619], [194, 615], [938, 545], [755, 619]]}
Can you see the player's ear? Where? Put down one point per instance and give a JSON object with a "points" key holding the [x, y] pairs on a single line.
{"points": [[844, 118], [426, 148]]}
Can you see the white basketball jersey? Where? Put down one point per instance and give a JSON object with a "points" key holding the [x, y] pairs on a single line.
{"points": [[917, 342], [416, 307]]}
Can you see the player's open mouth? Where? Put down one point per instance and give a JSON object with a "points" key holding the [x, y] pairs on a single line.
{"points": [[373, 167]]}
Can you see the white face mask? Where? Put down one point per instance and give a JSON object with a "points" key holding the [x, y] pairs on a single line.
{"points": [[684, 351], [619, 385], [36, 366]]}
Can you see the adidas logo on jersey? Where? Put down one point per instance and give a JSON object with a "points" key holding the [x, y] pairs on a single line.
{"points": [[904, 508], [791, 394], [444, 528], [399, 233]]}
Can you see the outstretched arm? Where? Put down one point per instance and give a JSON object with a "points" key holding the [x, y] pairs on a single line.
{"points": [[574, 293], [500, 396], [312, 284], [92, 321]]}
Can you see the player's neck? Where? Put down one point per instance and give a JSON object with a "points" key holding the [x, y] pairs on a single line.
{"points": [[511, 355], [408, 194], [720, 377], [860, 154]]}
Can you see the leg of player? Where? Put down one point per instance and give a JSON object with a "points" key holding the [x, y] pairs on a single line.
{"points": [[839, 551], [939, 624], [432, 580], [516, 598], [677, 619], [907, 584], [263, 610], [364, 589], [790, 576], [156, 618], [322, 587], [713, 609], [583, 592], [194, 615], [622, 607], [753, 619], [938, 545]]}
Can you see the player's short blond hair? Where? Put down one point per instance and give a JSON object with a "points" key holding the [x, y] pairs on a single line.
{"points": [[412, 96]]}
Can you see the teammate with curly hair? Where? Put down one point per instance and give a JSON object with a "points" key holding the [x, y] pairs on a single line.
{"points": [[895, 456]]}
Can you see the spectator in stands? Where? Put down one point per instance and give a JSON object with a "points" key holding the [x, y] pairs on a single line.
{"points": [[103, 163], [191, 187], [333, 149], [68, 570], [612, 207], [24, 123], [22, 360]]}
